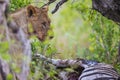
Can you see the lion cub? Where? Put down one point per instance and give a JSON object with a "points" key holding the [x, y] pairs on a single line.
{"points": [[33, 20]]}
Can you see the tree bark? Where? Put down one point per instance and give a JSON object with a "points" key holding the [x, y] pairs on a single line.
{"points": [[108, 8], [5, 31]]}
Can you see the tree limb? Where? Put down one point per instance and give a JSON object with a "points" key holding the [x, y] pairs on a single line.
{"points": [[60, 3], [67, 62]]}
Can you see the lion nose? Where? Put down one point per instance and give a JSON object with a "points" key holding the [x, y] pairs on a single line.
{"points": [[51, 37], [41, 39]]}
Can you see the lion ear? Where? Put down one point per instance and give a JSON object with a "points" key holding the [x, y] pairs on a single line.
{"points": [[45, 8], [31, 10]]}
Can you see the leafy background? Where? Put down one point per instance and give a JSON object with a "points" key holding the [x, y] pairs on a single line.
{"points": [[79, 32]]}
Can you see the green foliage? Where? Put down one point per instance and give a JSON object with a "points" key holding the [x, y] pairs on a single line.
{"points": [[10, 77], [40, 69], [16, 4], [104, 40], [70, 31], [104, 37], [4, 46], [5, 49]]}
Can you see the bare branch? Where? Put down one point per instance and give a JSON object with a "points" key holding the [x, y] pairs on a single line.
{"points": [[58, 62], [108, 8], [50, 2], [60, 3], [68, 62]]}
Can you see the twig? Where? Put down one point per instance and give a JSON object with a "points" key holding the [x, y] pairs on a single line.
{"points": [[58, 5], [50, 1]]}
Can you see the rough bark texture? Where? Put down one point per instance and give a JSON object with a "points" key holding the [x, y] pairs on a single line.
{"points": [[108, 8], [5, 68]]}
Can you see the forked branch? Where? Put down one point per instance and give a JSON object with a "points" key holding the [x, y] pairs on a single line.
{"points": [[60, 3]]}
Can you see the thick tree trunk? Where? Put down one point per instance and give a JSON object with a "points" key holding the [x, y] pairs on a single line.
{"points": [[5, 31], [4, 67], [108, 8]]}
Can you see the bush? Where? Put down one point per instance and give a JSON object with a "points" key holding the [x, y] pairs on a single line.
{"points": [[104, 37], [18, 4]]}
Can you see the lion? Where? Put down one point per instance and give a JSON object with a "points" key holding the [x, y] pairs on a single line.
{"points": [[33, 20]]}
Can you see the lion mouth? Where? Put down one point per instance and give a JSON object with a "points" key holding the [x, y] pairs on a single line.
{"points": [[41, 37]]}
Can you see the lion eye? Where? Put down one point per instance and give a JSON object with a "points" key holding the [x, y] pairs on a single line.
{"points": [[44, 25], [30, 13]]}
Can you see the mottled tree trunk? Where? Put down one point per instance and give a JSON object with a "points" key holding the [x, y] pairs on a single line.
{"points": [[4, 67], [5, 30]]}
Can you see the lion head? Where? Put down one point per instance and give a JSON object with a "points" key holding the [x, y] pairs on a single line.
{"points": [[38, 17]]}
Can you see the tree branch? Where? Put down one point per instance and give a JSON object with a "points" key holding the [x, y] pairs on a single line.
{"points": [[60, 3], [108, 8], [67, 62]]}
